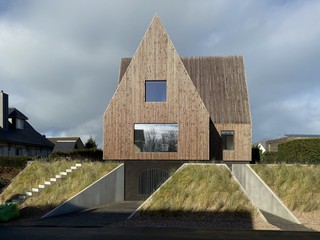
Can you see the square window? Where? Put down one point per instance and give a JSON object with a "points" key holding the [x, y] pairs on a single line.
{"points": [[227, 139], [156, 91]]}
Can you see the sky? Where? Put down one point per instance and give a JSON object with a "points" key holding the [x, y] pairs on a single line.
{"points": [[59, 59]]}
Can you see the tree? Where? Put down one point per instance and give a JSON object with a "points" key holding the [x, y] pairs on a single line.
{"points": [[91, 144]]}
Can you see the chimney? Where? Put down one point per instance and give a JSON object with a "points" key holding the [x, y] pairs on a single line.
{"points": [[4, 106]]}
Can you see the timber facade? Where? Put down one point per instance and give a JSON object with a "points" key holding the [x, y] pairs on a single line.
{"points": [[205, 105]]}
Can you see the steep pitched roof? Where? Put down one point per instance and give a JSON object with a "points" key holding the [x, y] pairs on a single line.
{"points": [[27, 136], [221, 84], [15, 113]]}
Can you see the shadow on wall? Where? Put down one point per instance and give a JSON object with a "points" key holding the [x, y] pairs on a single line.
{"points": [[215, 143]]}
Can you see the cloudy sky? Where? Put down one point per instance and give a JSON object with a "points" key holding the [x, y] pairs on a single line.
{"points": [[59, 59]]}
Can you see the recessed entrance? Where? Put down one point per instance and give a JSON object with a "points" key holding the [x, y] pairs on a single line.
{"points": [[150, 180]]}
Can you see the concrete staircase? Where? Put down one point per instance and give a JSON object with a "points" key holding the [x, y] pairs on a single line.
{"points": [[36, 190]]}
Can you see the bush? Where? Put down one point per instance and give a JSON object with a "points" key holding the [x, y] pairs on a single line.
{"points": [[270, 157], [256, 154], [14, 162], [89, 154], [300, 151]]}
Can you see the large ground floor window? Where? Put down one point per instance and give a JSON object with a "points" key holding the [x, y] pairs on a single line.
{"points": [[156, 137]]}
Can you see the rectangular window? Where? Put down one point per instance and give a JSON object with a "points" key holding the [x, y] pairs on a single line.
{"points": [[156, 91], [227, 139], [19, 124], [156, 137]]}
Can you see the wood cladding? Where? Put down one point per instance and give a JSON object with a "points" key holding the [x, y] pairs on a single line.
{"points": [[156, 59], [242, 141], [221, 83]]}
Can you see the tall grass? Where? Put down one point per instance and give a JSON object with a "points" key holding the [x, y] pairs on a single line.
{"points": [[59, 191], [200, 188], [297, 185]]}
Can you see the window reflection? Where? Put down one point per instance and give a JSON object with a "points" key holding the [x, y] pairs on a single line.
{"points": [[156, 137]]}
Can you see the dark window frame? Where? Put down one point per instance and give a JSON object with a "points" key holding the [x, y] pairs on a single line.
{"points": [[228, 140], [148, 89]]}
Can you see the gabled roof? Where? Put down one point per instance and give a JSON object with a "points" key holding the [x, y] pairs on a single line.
{"points": [[15, 113], [221, 84], [27, 136], [66, 144]]}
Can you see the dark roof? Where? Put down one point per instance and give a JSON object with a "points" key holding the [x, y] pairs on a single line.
{"points": [[15, 113], [302, 135], [221, 84], [56, 139], [27, 136], [66, 144]]}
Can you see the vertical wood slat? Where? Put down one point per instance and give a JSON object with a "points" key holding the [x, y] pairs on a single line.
{"points": [[156, 59]]}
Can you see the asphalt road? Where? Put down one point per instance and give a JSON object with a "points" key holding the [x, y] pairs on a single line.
{"points": [[98, 224], [92, 233]]}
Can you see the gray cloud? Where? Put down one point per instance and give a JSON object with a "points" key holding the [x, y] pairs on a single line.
{"points": [[59, 60]]}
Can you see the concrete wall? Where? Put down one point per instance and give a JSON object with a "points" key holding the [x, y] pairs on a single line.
{"points": [[260, 194], [107, 189]]}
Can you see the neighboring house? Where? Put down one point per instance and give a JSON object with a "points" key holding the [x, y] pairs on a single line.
{"points": [[272, 145], [66, 144], [189, 108], [17, 136]]}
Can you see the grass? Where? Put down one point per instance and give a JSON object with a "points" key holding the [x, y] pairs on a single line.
{"points": [[200, 189], [297, 185], [60, 191]]}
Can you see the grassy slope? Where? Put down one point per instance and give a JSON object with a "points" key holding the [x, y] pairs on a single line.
{"points": [[297, 185], [60, 191], [200, 188]]}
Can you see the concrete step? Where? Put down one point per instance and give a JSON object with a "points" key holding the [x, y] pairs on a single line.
{"points": [[69, 170], [73, 167], [29, 194], [53, 179], [58, 176], [63, 173], [47, 183], [78, 164], [41, 186], [36, 190]]}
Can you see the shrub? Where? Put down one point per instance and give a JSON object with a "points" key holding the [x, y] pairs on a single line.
{"points": [[90, 154], [300, 151], [270, 157], [14, 162]]}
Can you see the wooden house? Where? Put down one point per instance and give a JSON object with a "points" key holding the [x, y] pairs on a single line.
{"points": [[168, 107]]}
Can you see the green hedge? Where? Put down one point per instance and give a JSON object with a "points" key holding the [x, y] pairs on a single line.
{"points": [[89, 154], [300, 151], [304, 151], [14, 162]]}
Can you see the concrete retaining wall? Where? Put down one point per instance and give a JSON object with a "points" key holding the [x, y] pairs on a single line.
{"points": [[108, 189], [260, 194]]}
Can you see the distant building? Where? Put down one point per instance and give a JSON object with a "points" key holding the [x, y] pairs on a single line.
{"points": [[66, 144], [272, 145], [17, 136]]}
